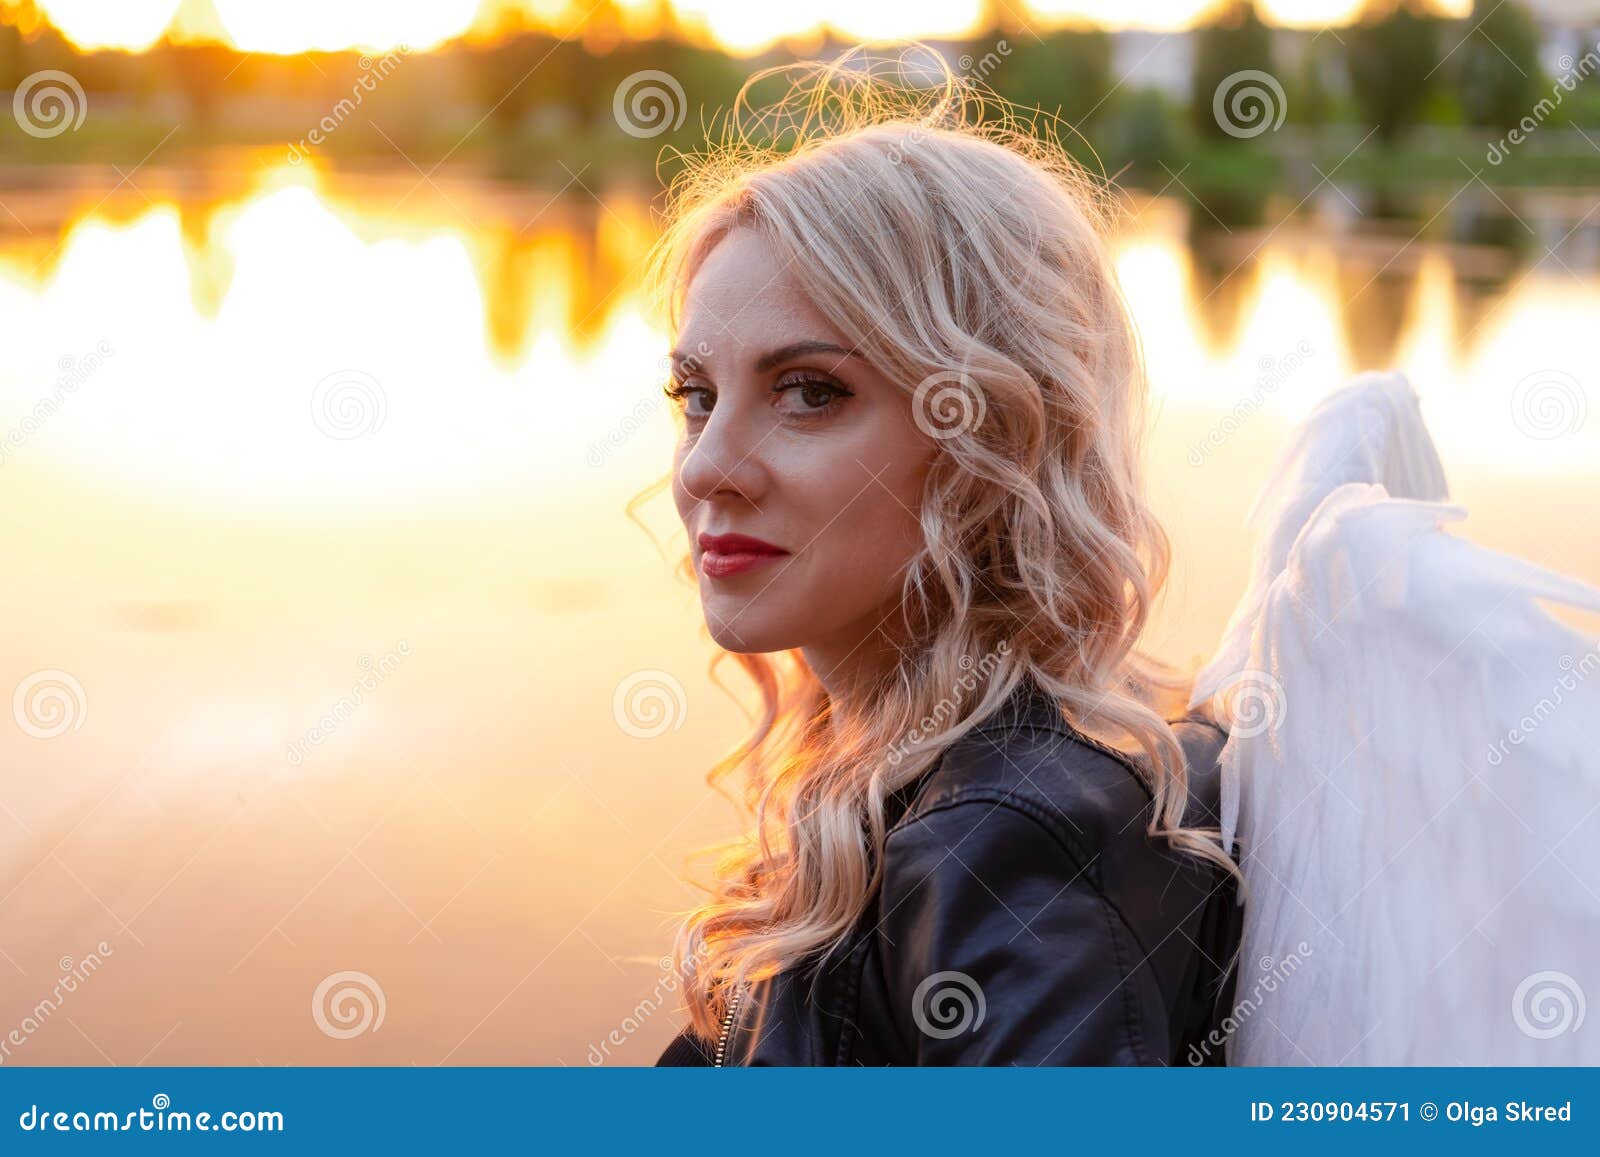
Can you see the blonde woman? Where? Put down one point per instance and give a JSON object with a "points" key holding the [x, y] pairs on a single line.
{"points": [[910, 401]]}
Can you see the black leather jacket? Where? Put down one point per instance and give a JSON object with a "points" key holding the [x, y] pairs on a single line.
{"points": [[1025, 918]]}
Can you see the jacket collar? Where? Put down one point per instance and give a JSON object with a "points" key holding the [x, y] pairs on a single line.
{"points": [[1028, 705]]}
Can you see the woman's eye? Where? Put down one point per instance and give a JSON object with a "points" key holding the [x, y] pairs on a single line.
{"points": [[694, 401], [801, 397]]}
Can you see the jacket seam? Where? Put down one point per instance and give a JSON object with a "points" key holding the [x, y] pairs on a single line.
{"points": [[1087, 864], [1130, 1004], [1043, 814], [1011, 727], [992, 727], [916, 807], [850, 1012]]}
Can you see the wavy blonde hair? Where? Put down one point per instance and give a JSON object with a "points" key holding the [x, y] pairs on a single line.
{"points": [[952, 244]]}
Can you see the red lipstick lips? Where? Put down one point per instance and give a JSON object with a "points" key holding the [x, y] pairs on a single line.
{"points": [[725, 555]]}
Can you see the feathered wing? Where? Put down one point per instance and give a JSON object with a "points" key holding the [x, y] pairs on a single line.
{"points": [[1412, 771]]}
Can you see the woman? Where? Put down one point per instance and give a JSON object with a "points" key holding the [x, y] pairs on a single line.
{"points": [[909, 468]]}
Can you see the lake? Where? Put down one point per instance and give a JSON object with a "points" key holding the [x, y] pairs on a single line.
{"points": [[352, 714]]}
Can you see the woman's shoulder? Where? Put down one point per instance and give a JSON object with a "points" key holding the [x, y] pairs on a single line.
{"points": [[1027, 758], [1023, 866]]}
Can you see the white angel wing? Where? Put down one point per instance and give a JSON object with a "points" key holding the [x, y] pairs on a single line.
{"points": [[1413, 769]]}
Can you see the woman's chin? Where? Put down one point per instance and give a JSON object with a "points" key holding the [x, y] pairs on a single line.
{"points": [[745, 634]]}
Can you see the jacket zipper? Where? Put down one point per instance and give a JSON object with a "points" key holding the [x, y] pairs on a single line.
{"points": [[727, 1026]]}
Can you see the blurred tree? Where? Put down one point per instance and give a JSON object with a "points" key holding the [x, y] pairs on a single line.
{"points": [[1498, 75], [1067, 73], [43, 47], [1310, 101], [516, 73], [710, 82], [201, 72], [1142, 136], [1236, 41], [1581, 106], [1392, 55], [10, 55]]}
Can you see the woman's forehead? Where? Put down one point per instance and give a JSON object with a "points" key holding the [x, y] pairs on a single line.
{"points": [[744, 296]]}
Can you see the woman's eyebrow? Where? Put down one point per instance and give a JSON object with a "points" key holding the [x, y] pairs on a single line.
{"points": [[799, 349], [796, 349]]}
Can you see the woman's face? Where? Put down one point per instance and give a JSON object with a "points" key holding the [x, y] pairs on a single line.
{"points": [[799, 469]]}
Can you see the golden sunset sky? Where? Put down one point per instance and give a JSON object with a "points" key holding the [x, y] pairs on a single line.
{"points": [[288, 26]]}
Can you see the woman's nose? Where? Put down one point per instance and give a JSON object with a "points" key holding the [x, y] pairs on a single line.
{"points": [[726, 458]]}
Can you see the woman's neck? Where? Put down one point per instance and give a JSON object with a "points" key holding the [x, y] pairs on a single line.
{"points": [[852, 672]]}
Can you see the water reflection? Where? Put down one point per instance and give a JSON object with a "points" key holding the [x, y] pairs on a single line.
{"points": [[262, 430]]}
